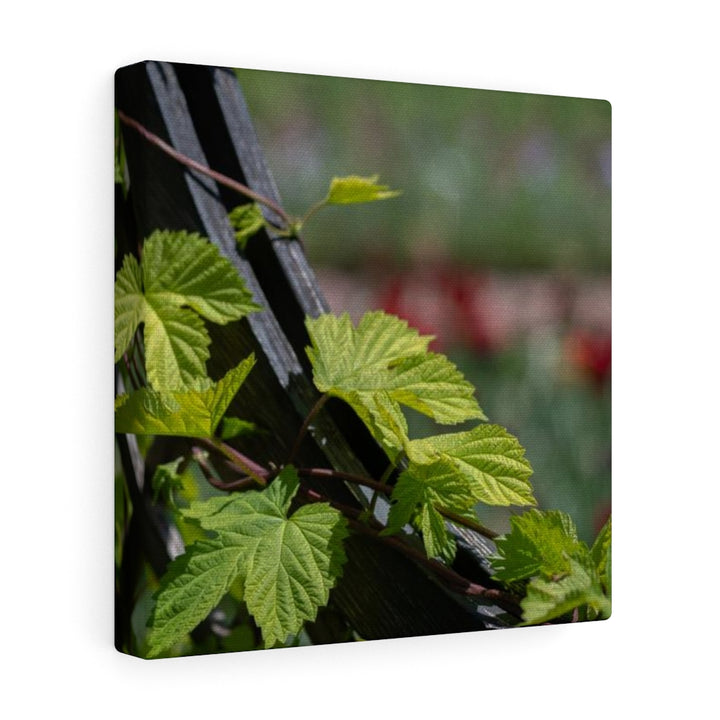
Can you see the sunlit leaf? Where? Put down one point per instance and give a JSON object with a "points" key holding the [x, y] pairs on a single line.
{"points": [[543, 548], [356, 189], [181, 278], [192, 412], [231, 427], [287, 565], [417, 497], [381, 365], [345, 356], [247, 220], [548, 599], [601, 555], [539, 543], [488, 456], [193, 585], [166, 480]]}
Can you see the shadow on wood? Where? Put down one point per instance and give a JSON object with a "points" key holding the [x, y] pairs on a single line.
{"points": [[201, 112]]}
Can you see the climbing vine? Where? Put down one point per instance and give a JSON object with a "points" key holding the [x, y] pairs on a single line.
{"points": [[265, 537]]}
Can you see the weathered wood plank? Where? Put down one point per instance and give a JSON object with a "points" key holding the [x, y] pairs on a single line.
{"points": [[202, 113]]}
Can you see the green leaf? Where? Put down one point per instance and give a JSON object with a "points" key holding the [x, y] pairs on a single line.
{"points": [[548, 599], [185, 269], [192, 587], [176, 346], [490, 458], [543, 548], [231, 427], [287, 565], [356, 189], [182, 277], [247, 220], [384, 419], [344, 355], [601, 555], [166, 480], [193, 412], [381, 365], [432, 385], [438, 542], [539, 543], [418, 494], [129, 304]]}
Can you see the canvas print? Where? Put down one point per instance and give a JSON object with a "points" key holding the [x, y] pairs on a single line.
{"points": [[362, 360]]}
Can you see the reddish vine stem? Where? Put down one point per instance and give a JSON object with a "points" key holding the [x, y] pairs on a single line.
{"points": [[357, 479], [257, 472], [240, 484], [461, 584], [387, 490], [350, 513], [134, 384], [468, 523], [304, 428], [199, 167], [358, 521], [456, 581], [239, 470]]}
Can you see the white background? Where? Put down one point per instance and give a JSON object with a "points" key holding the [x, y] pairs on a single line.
{"points": [[658, 68]]}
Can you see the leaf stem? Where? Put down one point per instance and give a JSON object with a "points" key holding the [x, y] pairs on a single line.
{"points": [[257, 472], [199, 167], [134, 384], [460, 584], [349, 512], [350, 477], [468, 523], [317, 206], [240, 484], [304, 427], [382, 487], [383, 481]]}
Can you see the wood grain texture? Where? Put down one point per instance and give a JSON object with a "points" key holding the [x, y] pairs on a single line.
{"points": [[201, 112]]}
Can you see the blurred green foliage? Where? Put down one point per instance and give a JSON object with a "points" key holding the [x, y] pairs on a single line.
{"points": [[564, 425], [504, 180], [494, 180], [562, 421]]}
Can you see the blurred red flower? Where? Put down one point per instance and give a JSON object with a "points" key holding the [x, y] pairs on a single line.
{"points": [[590, 353]]}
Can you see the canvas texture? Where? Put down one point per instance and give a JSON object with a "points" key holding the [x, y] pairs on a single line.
{"points": [[362, 360]]}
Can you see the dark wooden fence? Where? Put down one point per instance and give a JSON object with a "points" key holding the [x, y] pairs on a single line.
{"points": [[201, 112]]}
